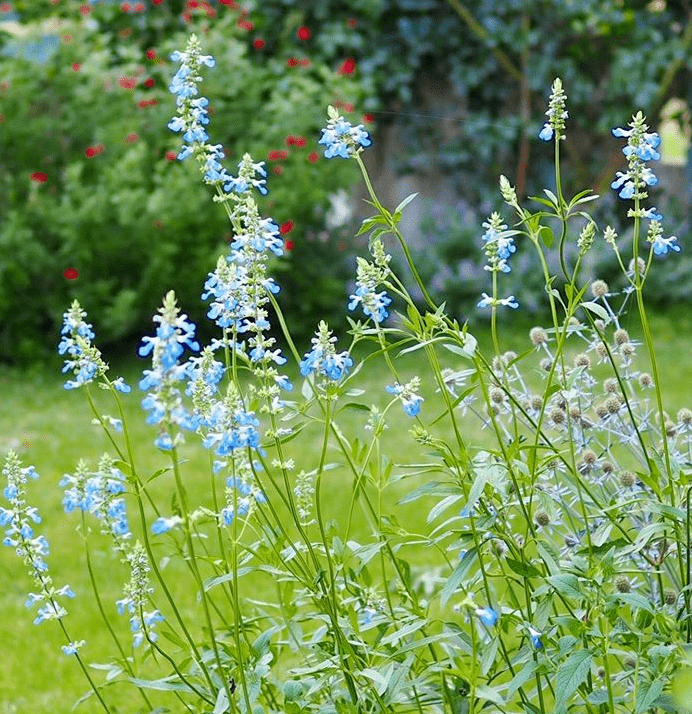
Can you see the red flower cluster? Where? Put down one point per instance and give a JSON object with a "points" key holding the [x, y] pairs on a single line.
{"points": [[277, 155], [293, 62], [92, 151], [132, 7], [144, 103], [299, 141], [127, 82], [347, 67], [39, 177]]}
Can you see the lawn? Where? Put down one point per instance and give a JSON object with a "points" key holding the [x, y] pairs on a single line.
{"points": [[50, 428]]}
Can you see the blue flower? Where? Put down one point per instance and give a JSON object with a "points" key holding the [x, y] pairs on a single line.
{"points": [[407, 395], [662, 245], [487, 301], [32, 549], [546, 133], [374, 303], [641, 147], [86, 362], [341, 138], [164, 400], [323, 357], [556, 113], [535, 636], [487, 616], [163, 525], [72, 647]]}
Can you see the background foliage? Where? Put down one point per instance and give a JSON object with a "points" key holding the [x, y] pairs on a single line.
{"points": [[130, 219]]}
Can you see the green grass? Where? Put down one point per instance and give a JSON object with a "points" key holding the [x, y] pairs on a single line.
{"points": [[50, 428]]}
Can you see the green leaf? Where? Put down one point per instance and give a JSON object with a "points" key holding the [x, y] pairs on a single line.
{"points": [[463, 566], [570, 674], [489, 654], [602, 533], [636, 600], [357, 406], [492, 695], [521, 678], [546, 235], [598, 696], [467, 350], [169, 684], [647, 695], [552, 197], [405, 203], [526, 570], [566, 584], [596, 309]]}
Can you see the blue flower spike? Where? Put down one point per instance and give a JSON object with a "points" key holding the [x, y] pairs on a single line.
{"points": [[340, 138], [556, 114]]}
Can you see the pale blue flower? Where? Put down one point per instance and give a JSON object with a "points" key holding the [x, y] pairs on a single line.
{"points": [[341, 138], [535, 636], [547, 132], [487, 616], [406, 393], [662, 245]]}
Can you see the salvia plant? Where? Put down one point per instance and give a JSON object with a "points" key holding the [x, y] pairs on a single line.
{"points": [[553, 574]]}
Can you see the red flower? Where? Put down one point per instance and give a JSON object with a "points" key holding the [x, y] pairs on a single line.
{"points": [[231, 3], [305, 62], [171, 155], [313, 156], [127, 82], [67, 39], [130, 138], [304, 33], [286, 227], [368, 118], [125, 7], [76, 66], [91, 151], [258, 44], [5, 7], [151, 53], [70, 273], [300, 141], [246, 25], [149, 83], [156, 2], [139, 7], [347, 66], [351, 22], [289, 245], [277, 155], [85, 9], [39, 177], [291, 62], [278, 170]]}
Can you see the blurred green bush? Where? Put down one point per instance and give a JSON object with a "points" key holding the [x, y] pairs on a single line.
{"points": [[134, 224], [91, 182]]}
